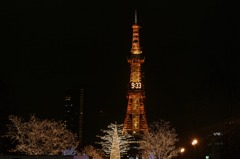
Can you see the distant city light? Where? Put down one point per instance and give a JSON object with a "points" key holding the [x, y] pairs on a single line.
{"points": [[217, 133]]}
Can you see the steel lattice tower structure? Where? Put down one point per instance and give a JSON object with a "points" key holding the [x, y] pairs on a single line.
{"points": [[135, 122]]}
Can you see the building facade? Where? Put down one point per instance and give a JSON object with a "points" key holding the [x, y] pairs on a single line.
{"points": [[74, 113]]}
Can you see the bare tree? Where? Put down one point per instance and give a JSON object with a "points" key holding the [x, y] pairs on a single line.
{"points": [[39, 137], [114, 143], [160, 141], [93, 152]]}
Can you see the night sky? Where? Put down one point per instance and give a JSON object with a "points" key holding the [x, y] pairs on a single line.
{"points": [[191, 70]]}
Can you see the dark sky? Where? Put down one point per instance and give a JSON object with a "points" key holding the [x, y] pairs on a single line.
{"points": [[192, 75]]}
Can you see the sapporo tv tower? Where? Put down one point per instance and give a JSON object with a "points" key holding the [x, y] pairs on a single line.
{"points": [[135, 122]]}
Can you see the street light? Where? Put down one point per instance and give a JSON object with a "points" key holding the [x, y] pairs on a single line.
{"points": [[182, 150], [194, 143]]}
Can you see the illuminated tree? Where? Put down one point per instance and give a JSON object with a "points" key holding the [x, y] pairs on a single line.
{"points": [[93, 152], [115, 150], [114, 143], [160, 141], [39, 137]]}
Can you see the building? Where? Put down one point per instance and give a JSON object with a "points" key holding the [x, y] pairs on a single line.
{"points": [[74, 112], [222, 141], [218, 141]]}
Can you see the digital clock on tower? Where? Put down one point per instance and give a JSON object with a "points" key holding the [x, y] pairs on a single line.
{"points": [[136, 85]]}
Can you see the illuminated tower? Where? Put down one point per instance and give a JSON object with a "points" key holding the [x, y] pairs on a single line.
{"points": [[135, 121]]}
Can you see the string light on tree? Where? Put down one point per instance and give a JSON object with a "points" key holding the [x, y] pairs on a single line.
{"points": [[114, 143]]}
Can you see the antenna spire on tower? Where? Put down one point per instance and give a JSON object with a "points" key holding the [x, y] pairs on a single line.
{"points": [[135, 20]]}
